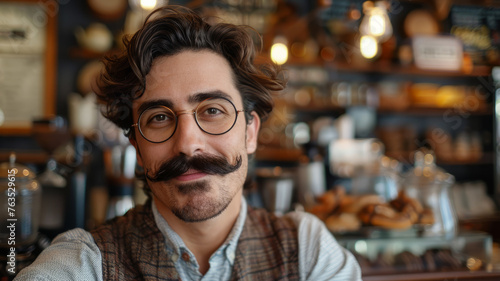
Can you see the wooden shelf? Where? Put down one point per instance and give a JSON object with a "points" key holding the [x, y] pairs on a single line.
{"points": [[25, 157], [435, 276], [268, 153], [389, 68], [486, 158], [36, 157], [393, 69], [487, 3], [87, 54], [414, 110], [419, 111], [319, 108]]}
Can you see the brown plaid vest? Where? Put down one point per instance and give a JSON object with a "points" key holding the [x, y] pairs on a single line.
{"points": [[133, 248]]}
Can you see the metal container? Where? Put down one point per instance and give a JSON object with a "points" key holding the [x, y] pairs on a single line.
{"points": [[276, 189], [20, 200], [277, 194]]}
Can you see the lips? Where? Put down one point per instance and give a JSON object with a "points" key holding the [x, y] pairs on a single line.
{"points": [[190, 175]]}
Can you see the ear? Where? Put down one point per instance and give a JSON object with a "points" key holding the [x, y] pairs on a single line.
{"points": [[252, 133], [137, 152]]}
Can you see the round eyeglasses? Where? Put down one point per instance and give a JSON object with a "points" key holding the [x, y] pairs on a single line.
{"points": [[214, 116]]}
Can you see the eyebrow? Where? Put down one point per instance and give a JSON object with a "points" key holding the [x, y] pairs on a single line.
{"points": [[196, 98], [199, 97], [147, 104]]}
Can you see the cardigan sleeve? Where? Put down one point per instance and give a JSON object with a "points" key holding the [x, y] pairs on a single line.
{"points": [[72, 255], [320, 255]]}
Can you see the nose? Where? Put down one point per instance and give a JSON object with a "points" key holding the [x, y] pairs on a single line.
{"points": [[188, 138]]}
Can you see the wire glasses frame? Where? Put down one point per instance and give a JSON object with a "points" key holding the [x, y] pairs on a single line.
{"points": [[214, 116]]}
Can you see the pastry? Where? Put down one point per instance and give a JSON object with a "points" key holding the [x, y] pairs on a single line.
{"points": [[356, 203], [332, 198], [426, 217], [343, 222], [327, 202], [445, 260], [429, 262], [384, 216], [407, 261], [321, 211], [402, 200], [407, 206]]}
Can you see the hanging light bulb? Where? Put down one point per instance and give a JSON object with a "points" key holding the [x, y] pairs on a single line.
{"points": [[139, 10], [376, 22], [279, 51], [368, 46], [146, 5]]}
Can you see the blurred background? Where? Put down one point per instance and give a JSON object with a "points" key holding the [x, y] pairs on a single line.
{"points": [[387, 130]]}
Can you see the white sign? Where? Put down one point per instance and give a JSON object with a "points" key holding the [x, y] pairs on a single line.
{"points": [[438, 53]]}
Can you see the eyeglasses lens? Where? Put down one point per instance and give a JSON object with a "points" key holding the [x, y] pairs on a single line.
{"points": [[215, 116]]}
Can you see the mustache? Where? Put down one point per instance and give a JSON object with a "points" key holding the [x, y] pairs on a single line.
{"points": [[208, 164]]}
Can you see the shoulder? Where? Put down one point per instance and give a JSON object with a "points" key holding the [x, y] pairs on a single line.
{"points": [[306, 221], [311, 231], [321, 257], [297, 222], [264, 217], [76, 237], [136, 220], [72, 255]]}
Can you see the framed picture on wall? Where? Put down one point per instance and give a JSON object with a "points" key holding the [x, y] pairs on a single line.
{"points": [[28, 50]]}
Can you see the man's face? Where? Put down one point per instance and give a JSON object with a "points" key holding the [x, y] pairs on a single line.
{"points": [[181, 81]]}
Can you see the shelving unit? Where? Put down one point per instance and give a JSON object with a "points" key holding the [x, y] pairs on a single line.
{"points": [[86, 54], [388, 68], [384, 67]]}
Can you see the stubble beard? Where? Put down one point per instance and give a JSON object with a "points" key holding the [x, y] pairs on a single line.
{"points": [[200, 206]]}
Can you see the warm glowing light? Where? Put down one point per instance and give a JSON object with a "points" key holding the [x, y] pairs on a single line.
{"points": [[368, 46], [376, 21], [279, 53], [377, 25], [148, 4], [428, 159]]}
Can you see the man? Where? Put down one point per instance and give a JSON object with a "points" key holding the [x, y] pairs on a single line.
{"points": [[192, 102]]}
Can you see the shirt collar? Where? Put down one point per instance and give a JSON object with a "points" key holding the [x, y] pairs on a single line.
{"points": [[176, 246]]}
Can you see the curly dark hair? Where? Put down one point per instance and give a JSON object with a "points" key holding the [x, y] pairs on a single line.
{"points": [[168, 31]]}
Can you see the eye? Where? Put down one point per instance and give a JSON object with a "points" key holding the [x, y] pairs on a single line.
{"points": [[157, 117], [213, 111], [160, 118]]}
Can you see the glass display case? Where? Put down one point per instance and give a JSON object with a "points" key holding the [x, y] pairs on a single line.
{"points": [[405, 255]]}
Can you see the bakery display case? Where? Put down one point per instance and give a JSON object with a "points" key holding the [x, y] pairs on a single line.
{"points": [[384, 253], [402, 225]]}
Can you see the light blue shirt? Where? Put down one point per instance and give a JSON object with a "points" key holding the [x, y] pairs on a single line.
{"points": [[73, 255]]}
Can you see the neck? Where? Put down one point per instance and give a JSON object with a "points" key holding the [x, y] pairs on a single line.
{"points": [[203, 238]]}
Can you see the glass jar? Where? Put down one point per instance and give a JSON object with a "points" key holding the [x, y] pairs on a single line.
{"points": [[20, 200], [430, 185]]}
